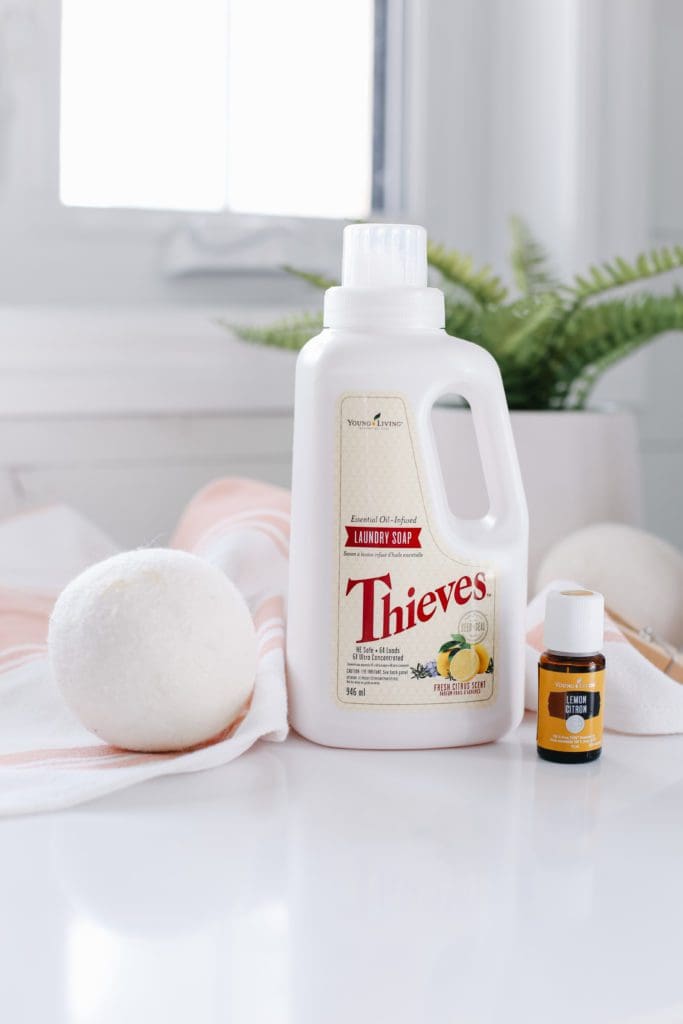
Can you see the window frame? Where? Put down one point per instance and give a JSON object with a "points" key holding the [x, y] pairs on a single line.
{"points": [[187, 239]]}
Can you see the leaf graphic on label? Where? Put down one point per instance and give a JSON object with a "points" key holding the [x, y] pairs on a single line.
{"points": [[458, 643]]}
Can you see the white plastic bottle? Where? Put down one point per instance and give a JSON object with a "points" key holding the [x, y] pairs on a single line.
{"points": [[387, 586]]}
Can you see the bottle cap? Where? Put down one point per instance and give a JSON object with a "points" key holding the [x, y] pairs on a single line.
{"points": [[384, 281], [384, 256], [574, 621]]}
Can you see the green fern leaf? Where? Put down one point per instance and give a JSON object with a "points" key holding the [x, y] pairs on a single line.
{"points": [[628, 273], [601, 335], [463, 319], [599, 280], [607, 276], [291, 333], [532, 317], [529, 261], [482, 285], [317, 280]]}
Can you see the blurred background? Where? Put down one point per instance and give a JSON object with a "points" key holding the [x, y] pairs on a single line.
{"points": [[161, 160]]}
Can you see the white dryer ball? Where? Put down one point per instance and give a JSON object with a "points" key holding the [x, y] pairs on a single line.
{"points": [[153, 649], [640, 575]]}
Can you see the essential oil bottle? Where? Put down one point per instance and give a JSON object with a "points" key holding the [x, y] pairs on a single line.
{"points": [[571, 677]]}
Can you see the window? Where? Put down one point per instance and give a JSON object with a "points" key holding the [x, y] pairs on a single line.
{"points": [[254, 106]]}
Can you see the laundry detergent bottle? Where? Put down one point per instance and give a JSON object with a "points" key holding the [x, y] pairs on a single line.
{"points": [[405, 622]]}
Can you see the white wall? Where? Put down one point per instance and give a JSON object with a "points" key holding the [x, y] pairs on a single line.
{"points": [[662, 408], [125, 415]]}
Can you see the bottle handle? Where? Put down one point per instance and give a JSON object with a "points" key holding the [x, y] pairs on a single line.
{"points": [[477, 379]]}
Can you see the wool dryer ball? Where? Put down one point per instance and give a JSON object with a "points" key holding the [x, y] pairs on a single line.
{"points": [[640, 574], [153, 649]]}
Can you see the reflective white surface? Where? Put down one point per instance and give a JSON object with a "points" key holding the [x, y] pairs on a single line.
{"points": [[301, 884]]}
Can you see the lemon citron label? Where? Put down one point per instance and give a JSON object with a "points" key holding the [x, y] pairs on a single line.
{"points": [[415, 621], [570, 707]]}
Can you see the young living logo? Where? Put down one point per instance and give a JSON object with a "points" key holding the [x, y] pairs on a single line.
{"points": [[376, 423]]}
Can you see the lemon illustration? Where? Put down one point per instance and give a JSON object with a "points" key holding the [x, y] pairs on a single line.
{"points": [[464, 665], [443, 663], [484, 656]]}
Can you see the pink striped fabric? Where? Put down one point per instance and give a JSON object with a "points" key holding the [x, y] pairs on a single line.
{"points": [[47, 759]]}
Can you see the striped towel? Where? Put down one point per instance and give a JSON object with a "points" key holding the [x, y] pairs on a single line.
{"points": [[47, 759]]}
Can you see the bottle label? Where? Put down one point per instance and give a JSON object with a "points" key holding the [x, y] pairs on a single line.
{"points": [[415, 622], [570, 710]]}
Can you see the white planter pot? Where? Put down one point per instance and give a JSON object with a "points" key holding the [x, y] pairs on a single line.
{"points": [[578, 468]]}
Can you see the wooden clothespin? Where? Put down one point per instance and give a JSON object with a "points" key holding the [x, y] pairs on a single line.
{"points": [[658, 652]]}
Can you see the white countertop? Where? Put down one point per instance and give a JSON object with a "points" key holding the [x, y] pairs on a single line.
{"points": [[314, 886]]}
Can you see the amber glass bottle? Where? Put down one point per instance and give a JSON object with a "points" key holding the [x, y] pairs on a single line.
{"points": [[571, 675]]}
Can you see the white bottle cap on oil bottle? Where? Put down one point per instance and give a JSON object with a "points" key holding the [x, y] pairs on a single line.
{"points": [[574, 621]]}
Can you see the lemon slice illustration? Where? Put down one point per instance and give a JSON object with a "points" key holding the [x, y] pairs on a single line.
{"points": [[484, 656], [443, 663], [464, 665]]}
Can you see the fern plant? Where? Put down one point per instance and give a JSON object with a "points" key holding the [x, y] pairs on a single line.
{"points": [[552, 341]]}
